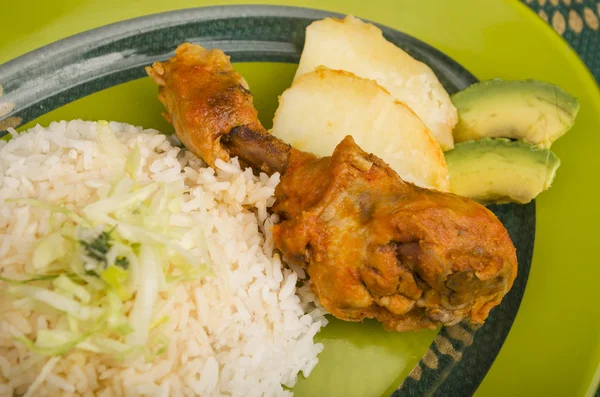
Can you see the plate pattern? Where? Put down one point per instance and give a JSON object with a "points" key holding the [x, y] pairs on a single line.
{"points": [[578, 21]]}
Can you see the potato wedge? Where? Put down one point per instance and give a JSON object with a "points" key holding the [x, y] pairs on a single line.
{"points": [[324, 106], [360, 48]]}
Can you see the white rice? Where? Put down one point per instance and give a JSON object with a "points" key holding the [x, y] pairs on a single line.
{"points": [[245, 332]]}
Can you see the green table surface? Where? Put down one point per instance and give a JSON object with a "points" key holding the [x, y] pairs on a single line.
{"points": [[553, 348]]}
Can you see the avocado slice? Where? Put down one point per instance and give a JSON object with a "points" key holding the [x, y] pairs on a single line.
{"points": [[500, 170], [529, 110]]}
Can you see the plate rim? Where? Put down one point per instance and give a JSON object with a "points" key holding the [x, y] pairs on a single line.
{"points": [[54, 58]]}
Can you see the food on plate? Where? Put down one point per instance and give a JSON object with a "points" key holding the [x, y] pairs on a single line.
{"points": [[331, 97], [530, 110], [500, 170], [503, 137], [324, 106], [373, 245], [360, 48], [206, 99], [378, 247], [226, 87], [129, 268]]}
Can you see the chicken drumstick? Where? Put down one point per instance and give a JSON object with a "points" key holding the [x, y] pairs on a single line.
{"points": [[373, 245]]}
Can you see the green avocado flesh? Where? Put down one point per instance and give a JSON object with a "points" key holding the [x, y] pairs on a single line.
{"points": [[529, 110], [500, 170]]}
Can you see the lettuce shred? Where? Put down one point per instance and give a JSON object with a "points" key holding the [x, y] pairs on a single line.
{"points": [[103, 267]]}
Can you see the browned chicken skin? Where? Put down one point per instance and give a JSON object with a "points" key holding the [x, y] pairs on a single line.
{"points": [[378, 247], [373, 245], [210, 106]]}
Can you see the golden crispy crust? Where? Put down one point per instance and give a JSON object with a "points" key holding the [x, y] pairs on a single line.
{"points": [[378, 247], [205, 98]]}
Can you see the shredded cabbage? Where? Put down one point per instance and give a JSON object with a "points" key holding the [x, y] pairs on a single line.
{"points": [[48, 250], [134, 161], [141, 314], [102, 268], [109, 144], [29, 280], [53, 342]]}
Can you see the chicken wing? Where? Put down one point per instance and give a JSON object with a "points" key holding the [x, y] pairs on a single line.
{"points": [[373, 245]]}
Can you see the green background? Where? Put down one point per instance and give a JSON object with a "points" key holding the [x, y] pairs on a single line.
{"points": [[554, 346]]}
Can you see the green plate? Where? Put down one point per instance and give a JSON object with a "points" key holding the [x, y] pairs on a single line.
{"points": [[67, 70], [559, 314]]}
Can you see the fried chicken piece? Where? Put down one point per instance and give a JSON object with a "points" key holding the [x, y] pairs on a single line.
{"points": [[208, 102], [373, 245], [378, 247], [205, 98]]}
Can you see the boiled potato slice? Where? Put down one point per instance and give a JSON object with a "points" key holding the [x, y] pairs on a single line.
{"points": [[360, 48], [324, 106]]}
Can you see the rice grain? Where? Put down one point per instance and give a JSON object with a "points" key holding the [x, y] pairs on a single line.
{"points": [[244, 332]]}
